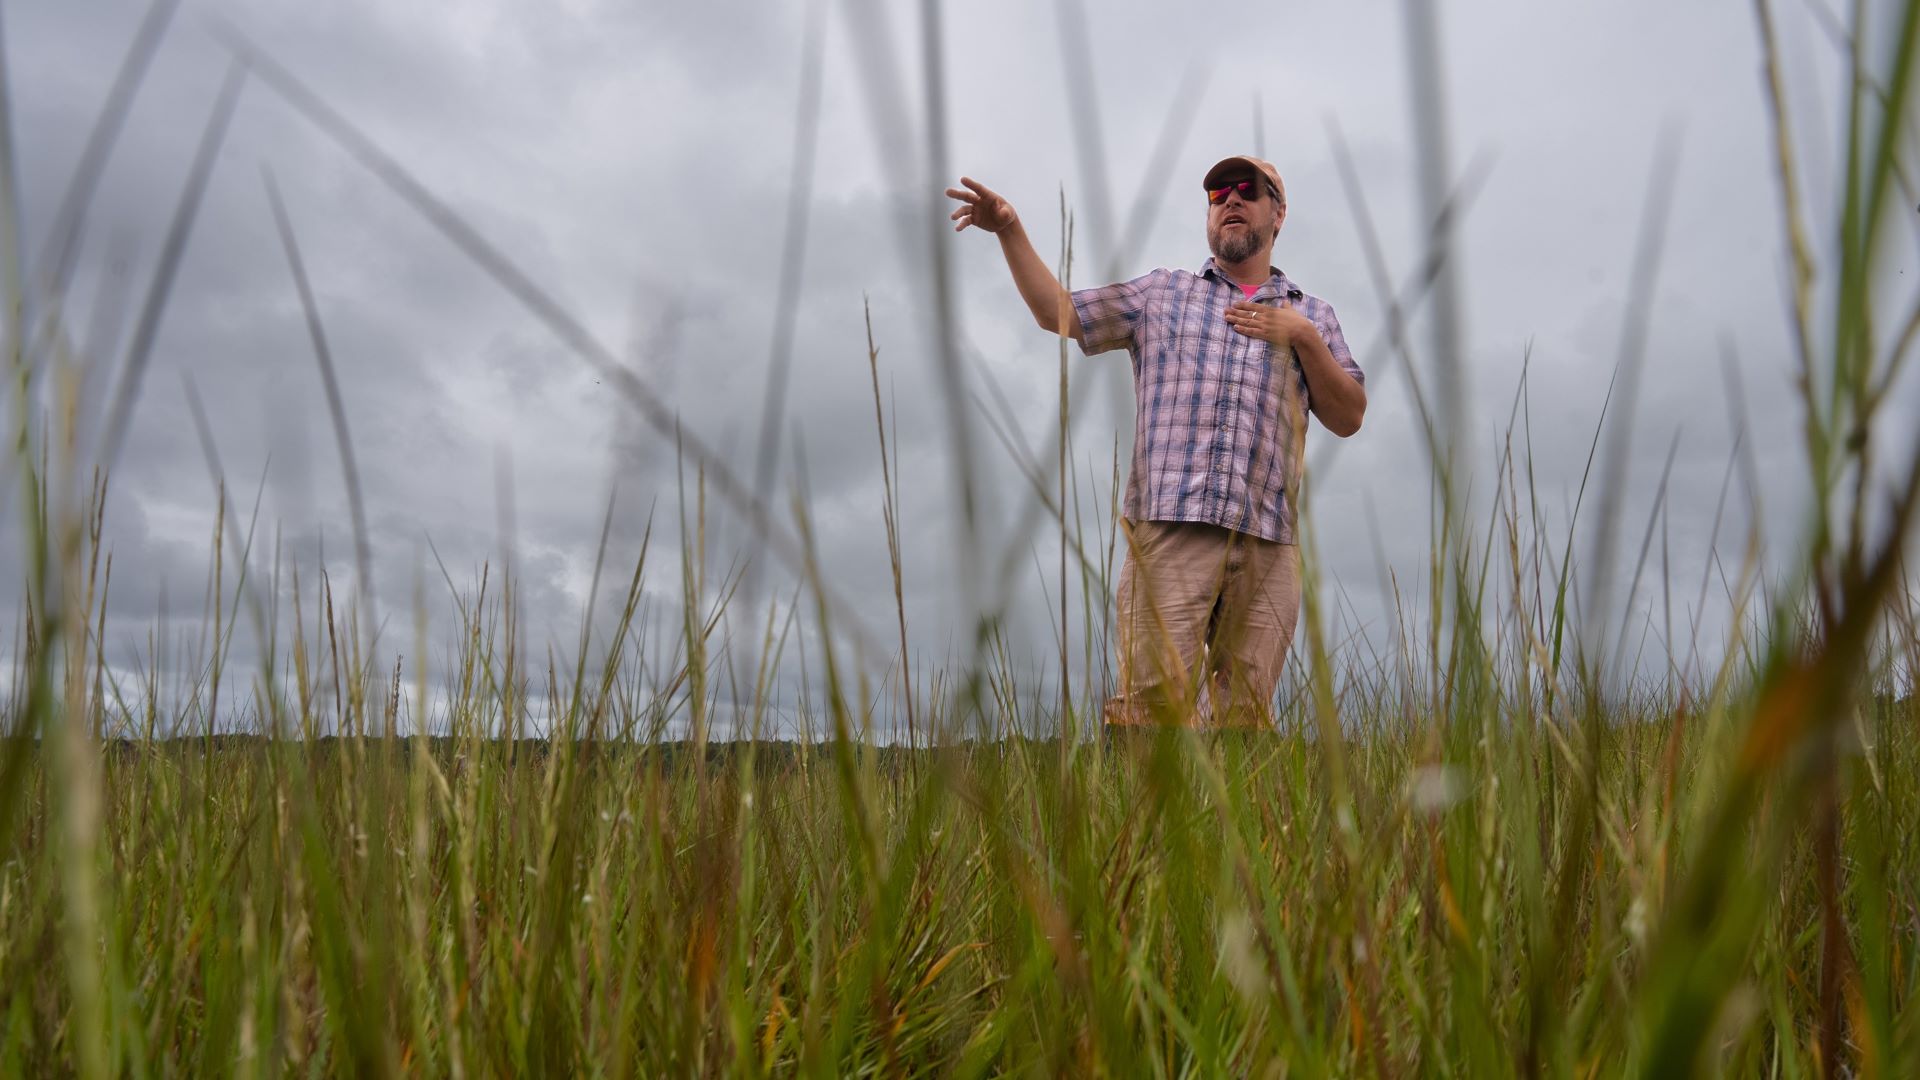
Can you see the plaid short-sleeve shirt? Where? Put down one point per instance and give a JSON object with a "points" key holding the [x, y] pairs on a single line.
{"points": [[1219, 424]]}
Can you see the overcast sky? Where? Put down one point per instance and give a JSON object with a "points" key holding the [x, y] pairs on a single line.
{"points": [[637, 160]]}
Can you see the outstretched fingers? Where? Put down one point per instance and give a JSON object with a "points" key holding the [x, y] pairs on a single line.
{"points": [[979, 189], [970, 198], [973, 196]]}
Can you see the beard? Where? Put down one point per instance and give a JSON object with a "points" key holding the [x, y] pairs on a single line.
{"points": [[1237, 246]]}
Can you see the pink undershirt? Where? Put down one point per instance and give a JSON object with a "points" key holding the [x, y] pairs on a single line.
{"points": [[1248, 289]]}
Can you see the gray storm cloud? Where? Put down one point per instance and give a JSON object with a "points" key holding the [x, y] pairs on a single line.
{"points": [[635, 160]]}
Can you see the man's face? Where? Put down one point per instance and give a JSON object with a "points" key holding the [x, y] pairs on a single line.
{"points": [[1238, 227]]}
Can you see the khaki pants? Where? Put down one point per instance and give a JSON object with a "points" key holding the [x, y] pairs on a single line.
{"points": [[1202, 608]]}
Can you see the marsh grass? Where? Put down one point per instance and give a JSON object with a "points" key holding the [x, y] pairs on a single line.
{"points": [[1480, 852]]}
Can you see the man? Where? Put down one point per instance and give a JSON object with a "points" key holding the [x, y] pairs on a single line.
{"points": [[1226, 365]]}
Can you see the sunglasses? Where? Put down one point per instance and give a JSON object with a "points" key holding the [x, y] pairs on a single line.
{"points": [[1250, 191]]}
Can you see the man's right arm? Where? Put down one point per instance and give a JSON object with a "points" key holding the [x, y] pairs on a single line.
{"points": [[990, 212], [1051, 306]]}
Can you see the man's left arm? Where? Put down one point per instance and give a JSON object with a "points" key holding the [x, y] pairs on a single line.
{"points": [[1335, 392]]}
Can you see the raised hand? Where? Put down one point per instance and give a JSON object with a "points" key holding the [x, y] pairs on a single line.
{"points": [[981, 207]]}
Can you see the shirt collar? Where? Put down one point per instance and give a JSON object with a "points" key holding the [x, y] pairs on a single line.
{"points": [[1277, 280]]}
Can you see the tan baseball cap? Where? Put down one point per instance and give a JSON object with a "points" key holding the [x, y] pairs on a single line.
{"points": [[1229, 166]]}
